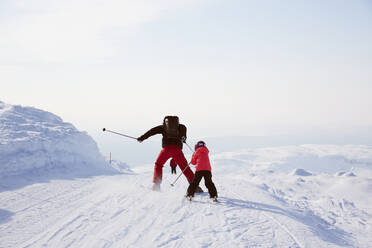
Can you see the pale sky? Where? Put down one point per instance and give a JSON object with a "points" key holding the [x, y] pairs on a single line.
{"points": [[224, 67]]}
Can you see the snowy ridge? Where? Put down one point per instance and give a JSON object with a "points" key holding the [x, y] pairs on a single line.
{"points": [[35, 140], [120, 166]]}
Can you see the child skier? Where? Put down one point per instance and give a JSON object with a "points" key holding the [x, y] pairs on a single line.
{"points": [[200, 158]]}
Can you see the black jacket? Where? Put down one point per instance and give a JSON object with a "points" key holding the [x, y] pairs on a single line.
{"points": [[166, 141]]}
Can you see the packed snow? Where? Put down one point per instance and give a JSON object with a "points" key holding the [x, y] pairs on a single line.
{"points": [[290, 196]]}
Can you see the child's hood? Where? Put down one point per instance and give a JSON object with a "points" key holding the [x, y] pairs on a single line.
{"points": [[203, 149]]}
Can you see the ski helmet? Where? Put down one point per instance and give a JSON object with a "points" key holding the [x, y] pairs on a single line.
{"points": [[199, 144]]}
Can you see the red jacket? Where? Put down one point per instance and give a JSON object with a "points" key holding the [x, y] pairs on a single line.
{"points": [[200, 158]]}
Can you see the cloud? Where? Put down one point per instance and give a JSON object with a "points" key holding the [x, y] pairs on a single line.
{"points": [[73, 30]]}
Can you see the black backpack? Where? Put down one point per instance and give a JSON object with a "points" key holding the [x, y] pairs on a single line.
{"points": [[171, 127]]}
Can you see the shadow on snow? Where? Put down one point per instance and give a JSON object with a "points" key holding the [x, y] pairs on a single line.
{"points": [[5, 216], [317, 225]]}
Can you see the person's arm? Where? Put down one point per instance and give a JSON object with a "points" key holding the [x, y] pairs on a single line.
{"points": [[151, 132], [194, 158], [183, 131]]}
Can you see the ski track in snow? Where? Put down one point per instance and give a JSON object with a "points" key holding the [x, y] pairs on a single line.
{"points": [[122, 211], [297, 243]]}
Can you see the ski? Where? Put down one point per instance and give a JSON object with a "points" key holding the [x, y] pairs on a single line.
{"points": [[190, 199]]}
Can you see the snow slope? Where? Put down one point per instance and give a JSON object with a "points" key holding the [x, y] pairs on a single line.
{"points": [[258, 208], [33, 140]]}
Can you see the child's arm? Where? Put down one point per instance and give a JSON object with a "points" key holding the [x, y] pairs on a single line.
{"points": [[194, 158]]}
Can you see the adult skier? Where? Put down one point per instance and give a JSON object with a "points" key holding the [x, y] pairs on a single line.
{"points": [[174, 135]]}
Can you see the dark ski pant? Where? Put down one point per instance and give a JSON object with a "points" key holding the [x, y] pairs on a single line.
{"points": [[176, 153], [207, 180]]}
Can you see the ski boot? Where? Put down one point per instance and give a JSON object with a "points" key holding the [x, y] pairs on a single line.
{"points": [[214, 199], [156, 186], [199, 190], [189, 197]]}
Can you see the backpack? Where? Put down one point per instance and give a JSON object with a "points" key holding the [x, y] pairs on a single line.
{"points": [[171, 127]]}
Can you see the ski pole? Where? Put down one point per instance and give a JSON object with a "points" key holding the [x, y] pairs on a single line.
{"points": [[189, 147], [172, 184], [104, 129]]}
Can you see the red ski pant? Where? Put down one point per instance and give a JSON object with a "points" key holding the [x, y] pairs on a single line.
{"points": [[176, 153]]}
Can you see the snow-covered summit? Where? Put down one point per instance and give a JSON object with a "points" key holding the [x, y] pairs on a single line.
{"points": [[32, 139], [26, 123]]}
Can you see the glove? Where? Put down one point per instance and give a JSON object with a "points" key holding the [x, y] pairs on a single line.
{"points": [[140, 139]]}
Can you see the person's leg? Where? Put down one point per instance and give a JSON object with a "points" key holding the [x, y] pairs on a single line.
{"points": [[173, 165], [182, 163], [209, 184], [194, 184], [163, 156]]}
